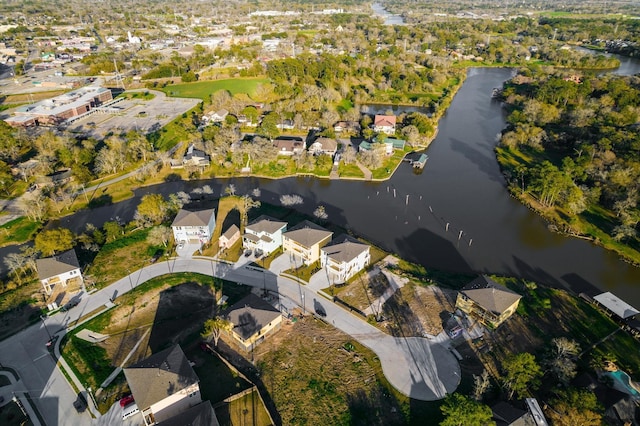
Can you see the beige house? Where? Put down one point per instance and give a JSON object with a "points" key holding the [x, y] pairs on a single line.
{"points": [[253, 320], [305, 240], [229, 238], [343, 258], [326, 146], [163, 385], [487, 301], [63, 269]]}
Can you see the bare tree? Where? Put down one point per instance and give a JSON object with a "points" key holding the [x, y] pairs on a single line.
{"points": [[290, 200], [320, 213], [247, 204], [481, 384], [33, 205], [214, 327], [230, 190], [159, 235]]}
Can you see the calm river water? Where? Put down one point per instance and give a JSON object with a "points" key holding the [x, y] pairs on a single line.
{"points": [[456, 215]]}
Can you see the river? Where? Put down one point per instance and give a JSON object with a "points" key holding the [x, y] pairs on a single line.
{"points": [[389, 18], [456, 215]]}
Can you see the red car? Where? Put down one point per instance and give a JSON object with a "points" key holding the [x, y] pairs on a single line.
{"points": [[126, 401]]}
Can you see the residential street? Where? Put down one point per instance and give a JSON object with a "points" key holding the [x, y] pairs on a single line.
{"points": [[417, 367]]}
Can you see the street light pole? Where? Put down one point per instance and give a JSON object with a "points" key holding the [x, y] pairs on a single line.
{"points": [[130, 281], [45, 327]]}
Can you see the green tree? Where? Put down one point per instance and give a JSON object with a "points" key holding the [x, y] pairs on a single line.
{"points": [[574, 407], [152, 210], [460, 410], [521, 372], [213, 328], [189, 77], [113, 230], [269, 125], [52, 241]]}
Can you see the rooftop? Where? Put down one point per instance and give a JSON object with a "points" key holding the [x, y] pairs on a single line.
{"points": [[266, 224], [307, 233], [58, 264], [490, 295], [344, 249], [195, 218], [616, 305], [250, 315]]}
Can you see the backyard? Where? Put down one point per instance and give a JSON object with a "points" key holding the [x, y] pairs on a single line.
{"points": [[203, 89]]}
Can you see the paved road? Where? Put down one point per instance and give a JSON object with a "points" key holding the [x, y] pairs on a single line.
{"points": [[417, 367]]}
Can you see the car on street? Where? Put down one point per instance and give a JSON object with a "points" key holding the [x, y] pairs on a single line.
{"points": [[71, 304], [247, 253], [80, 404], [181, 245]]}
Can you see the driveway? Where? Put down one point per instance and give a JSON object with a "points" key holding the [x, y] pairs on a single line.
{"points": [[417, 367]]}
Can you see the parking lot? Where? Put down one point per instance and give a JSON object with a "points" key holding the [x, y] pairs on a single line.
{"points": [[134, 114]]}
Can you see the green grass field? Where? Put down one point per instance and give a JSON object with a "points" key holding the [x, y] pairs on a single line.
{"points": [[202, 89], [18, 231]]}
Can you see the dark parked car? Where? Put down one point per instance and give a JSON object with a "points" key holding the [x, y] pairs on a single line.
{"points": [[80, 404], [70, 304]]}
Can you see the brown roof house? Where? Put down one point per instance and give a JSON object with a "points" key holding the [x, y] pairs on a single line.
{"points": [[344, 257], [289, 145], [163, 385], [385, 124], [194, 226], [305, 240], [229, 237], [487, 301], [253, 320], [326, 146], [62, 268]]}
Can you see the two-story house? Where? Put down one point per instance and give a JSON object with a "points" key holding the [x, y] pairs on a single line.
{"points": [[163, 385], [194, 226], [384, 124], [487, 301], [264, 234], [195, 158], [344, 257], [63, 269], [289, 145], [326, 146], [305, 240], [253, 320], [229, 237]]}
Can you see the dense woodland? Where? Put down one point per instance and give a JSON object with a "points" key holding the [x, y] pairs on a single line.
{"points": [[573, 144]]}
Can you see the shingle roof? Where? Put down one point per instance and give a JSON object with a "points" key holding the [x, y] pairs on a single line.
{"points": [[231, 232], [189, 218], [307, 233], [344, 248], [490, 295], [327, 144], [159, 376], [266, 224], [384, 120], [199, 415], [250, 315], [56, 265]]}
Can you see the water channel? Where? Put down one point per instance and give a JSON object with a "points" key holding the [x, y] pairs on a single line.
{"points": [[389, 18]]}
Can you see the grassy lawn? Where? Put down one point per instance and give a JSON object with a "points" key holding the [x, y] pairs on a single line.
{"points": [[217, 381], [116, 258], [144, 95], [202, 89], [160, 312], [18, 231], [11, 415], [174, 132], [389, 165], [247, 410], [349, 170], [317, 375], [304, 273]]}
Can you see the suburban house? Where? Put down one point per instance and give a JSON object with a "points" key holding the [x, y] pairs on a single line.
{"points": [[199, 415], [389, 143], [347, 126], [289, 146], [344, 257], [194, 227], [264, 234], [325, 146], [63, 269], [253, 320], [218, 116], [195, 158], [487, 301], [163, 385], [305, 240], [385, 124], [505, 414], [229, 237], [616, 307]]}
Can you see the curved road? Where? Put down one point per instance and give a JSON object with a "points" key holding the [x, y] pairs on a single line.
{"points": [[417, 367]]}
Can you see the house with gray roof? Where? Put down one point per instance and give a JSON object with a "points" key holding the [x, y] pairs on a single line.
{"points": [[487, 301], [199, 415], [322, 145], [194, 226], [305, 240], [264, 234], [63, 269], [163, 385], [253, 320], [344, 257]]}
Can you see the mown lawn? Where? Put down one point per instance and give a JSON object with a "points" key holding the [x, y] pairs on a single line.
{"points": [[349, 170], [18, 231], [203, 89]]}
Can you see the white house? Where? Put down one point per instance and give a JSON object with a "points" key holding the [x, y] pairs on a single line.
{"points": [[61, 269], [327, 146], [343, 258], [264, 233], [385, 124], [163, 385], [194, 227]]}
